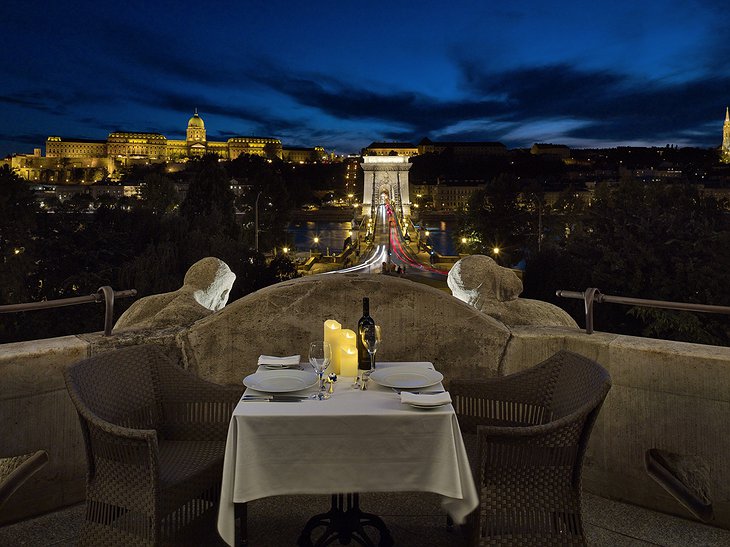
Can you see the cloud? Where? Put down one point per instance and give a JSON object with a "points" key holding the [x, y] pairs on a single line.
{"points": [[579, 103]]}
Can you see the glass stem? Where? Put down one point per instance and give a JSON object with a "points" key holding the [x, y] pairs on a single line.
{"points": [[321, 382], [372, 361]]}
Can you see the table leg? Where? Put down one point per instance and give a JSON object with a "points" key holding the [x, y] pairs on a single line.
{"points": [[345, 522], [241, 529]]}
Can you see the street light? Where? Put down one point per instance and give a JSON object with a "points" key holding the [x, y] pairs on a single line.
{"points": [[495, 250], [256, 220]]}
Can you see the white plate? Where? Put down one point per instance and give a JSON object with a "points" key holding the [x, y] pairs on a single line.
{"points": [[437, 405], [406, 378], [280, 381]]}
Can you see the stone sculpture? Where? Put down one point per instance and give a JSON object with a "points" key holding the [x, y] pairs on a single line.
{"points": [[485, 285], [419, 323], [205, 289]]}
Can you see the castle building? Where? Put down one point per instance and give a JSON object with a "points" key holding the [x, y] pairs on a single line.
{"points": [[156, 147], [725, 152], [467, 149]]}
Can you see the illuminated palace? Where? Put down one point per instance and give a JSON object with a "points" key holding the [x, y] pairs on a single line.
{"points": [[156, 147], [84, 161]]}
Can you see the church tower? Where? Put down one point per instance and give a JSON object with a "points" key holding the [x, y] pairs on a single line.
{"points": [[725, 152]]}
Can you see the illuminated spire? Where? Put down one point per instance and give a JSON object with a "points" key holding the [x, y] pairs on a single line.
{"points": [[727, 114], [196, 110]]}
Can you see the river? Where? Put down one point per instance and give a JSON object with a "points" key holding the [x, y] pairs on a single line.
{"points": [[332, 235]]}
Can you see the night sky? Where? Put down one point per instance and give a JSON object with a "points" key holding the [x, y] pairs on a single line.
{"points": [[342, 74]]}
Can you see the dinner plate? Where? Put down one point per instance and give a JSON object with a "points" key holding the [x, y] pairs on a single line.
{"points": [[437, 405], [280, 381], [406, 378]]}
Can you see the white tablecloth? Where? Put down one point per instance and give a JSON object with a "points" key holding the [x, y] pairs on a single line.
{"points": [[356, 441]]}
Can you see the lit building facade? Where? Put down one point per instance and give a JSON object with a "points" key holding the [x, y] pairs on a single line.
{"points": [[390, 149], [298, 154], [466, 149], [156, 147]]}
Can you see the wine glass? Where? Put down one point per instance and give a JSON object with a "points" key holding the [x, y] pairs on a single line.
{"points": [[320, 354], [371, 340]]}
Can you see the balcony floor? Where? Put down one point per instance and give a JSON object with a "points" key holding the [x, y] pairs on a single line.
{"points": [[414, 520]]}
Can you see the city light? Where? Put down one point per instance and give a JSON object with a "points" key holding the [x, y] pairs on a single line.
{"points": [[463, 240], [285, 250], [316, 240], [495, 250]]}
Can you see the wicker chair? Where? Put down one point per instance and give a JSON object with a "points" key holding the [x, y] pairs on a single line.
{"points": [[526, 435], [155, 437], [15, 470]]}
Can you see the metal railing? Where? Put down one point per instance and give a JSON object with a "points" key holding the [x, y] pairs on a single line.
{"points": [[592, 295], [105, 293]]}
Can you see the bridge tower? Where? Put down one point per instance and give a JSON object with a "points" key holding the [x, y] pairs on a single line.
{"points": [[386, 175]]}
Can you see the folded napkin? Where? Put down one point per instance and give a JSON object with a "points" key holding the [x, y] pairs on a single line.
{"points": [[282, 361], [425, 399]]}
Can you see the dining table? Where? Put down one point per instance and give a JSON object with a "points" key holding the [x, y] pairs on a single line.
{"points": [[356, 441]]}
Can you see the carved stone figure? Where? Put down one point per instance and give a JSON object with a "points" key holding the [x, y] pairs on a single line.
{"points": [[482, 283], [205, 289]]}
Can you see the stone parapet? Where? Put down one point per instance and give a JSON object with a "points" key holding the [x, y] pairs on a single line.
{"points": [[668, 395]]}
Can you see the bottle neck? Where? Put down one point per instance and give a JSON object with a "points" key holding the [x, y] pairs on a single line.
{"points": [[365, 307]]}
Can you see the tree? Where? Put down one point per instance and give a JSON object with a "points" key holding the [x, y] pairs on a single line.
{"points": [[17, 229], [663, 242], [495, 218], [209, 201], [272, 150], [159, 194]]}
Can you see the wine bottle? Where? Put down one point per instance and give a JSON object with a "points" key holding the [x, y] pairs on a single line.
{"points": [[363, 357]]}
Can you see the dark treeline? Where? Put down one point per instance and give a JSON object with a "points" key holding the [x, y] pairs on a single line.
{"points": [[656, 241], [659, 241], [146, 244]]}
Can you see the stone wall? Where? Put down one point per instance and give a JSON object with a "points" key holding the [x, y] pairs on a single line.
{"points": [[673, 396], [668, 395]]}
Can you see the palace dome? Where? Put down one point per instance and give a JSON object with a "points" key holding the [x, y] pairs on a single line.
{"points": [[196, 121]]}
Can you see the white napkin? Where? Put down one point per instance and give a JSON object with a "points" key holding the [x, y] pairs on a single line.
{"points": [[281, 361], [425, 399]]}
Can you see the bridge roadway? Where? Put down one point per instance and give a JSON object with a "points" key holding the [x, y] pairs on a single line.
{"points": [[388, 245]]}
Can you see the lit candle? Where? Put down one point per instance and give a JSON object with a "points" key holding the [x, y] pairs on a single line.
{"points": [[332, 335], [345, 338], [348, 361]]}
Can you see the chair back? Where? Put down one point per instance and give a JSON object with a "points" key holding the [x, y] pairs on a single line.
{"points": [[119, 387], [578, 383]]}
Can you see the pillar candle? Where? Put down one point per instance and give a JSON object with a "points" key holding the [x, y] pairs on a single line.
{"points": [[348, 361], [332, 335], [347, 338], [344, 338]]}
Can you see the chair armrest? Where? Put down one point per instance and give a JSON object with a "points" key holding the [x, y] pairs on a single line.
{"points": [[126, 452], [23, 467]]}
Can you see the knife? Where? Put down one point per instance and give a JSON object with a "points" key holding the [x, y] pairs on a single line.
{"points": [[275, 398]]}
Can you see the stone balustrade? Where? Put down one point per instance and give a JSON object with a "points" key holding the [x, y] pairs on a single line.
{"points": [[669, 395]]}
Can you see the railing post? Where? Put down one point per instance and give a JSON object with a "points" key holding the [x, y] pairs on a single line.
{"points": [[588, 297], [108, 294]]}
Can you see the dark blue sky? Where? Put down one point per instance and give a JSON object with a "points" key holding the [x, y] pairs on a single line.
{"points": [[342, 73]]}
